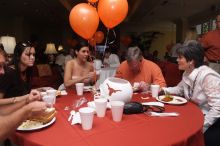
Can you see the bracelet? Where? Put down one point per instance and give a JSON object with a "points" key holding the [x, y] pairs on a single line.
{"points": [[14, 100]]}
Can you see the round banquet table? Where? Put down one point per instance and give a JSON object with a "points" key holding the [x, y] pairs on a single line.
{"points": [[133, 130]]}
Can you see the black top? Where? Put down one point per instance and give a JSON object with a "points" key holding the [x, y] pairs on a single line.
{"points": [[11, 85]]}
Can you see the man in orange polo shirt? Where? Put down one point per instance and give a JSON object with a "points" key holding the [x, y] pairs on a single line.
{"points": [[138, 69], [211, 43]]}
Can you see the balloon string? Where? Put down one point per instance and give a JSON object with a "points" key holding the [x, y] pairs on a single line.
{"points": [[95, 48], [93, 4], [106, 40], [114, 37]]}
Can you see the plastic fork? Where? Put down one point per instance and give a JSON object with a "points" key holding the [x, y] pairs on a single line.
{"points": [[72, 113]]}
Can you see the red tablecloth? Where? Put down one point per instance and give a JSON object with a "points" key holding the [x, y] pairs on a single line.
{"points": [[133, 130]]}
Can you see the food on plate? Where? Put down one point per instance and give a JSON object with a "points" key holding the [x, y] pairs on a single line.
{"points": [[167, 98], [44, 117], [30, 124]]}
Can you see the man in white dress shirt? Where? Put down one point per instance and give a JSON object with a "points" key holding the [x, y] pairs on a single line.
{"points": [[110, 60]]}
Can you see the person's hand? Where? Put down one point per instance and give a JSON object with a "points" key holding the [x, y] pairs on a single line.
{"points": [[89, 77], [34, 95], [37, 107], [144, 86]]}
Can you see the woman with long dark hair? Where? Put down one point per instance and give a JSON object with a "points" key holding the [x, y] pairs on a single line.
{"points": [[17, 77]]}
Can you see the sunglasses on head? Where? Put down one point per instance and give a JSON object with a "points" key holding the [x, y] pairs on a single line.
{"points": [[26, 44]]}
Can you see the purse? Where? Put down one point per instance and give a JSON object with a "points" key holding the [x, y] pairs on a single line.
{"points": [[134, 108]]}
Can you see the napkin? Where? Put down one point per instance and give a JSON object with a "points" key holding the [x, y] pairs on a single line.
{"points": [[63, 92], [76, 119], [153, 103], [171, 114]]}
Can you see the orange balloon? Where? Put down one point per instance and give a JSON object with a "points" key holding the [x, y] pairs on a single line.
{"points": [[99, 36], [92, 1], [112, 12], [72, 42], [84, 20], [92, 42], [126, 40]]}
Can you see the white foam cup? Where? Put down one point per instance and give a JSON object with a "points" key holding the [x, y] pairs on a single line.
{"points": [[155, 90], [117, 110], [52, 92], [79, 88], [86, 115], [48, 99], [100, 106]]}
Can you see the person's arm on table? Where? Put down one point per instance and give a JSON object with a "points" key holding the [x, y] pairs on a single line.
{"points": [[143, 86], [9, 123], [18, 102], [175, 90]]}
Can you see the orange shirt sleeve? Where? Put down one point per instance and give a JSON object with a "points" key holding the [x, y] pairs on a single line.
{"points": [[157, 76]]}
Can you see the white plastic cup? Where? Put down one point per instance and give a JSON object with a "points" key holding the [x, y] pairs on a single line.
{"points": [[49, 99], [155, 90], [86, 115], [100, 106], [79, 88], [117, 110], [52, 92]]}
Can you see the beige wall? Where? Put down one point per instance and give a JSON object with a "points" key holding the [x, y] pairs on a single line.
{"points": [[160, 43]]}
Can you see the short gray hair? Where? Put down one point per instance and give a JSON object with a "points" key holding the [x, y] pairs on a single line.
{"points": [[134, 53]]}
